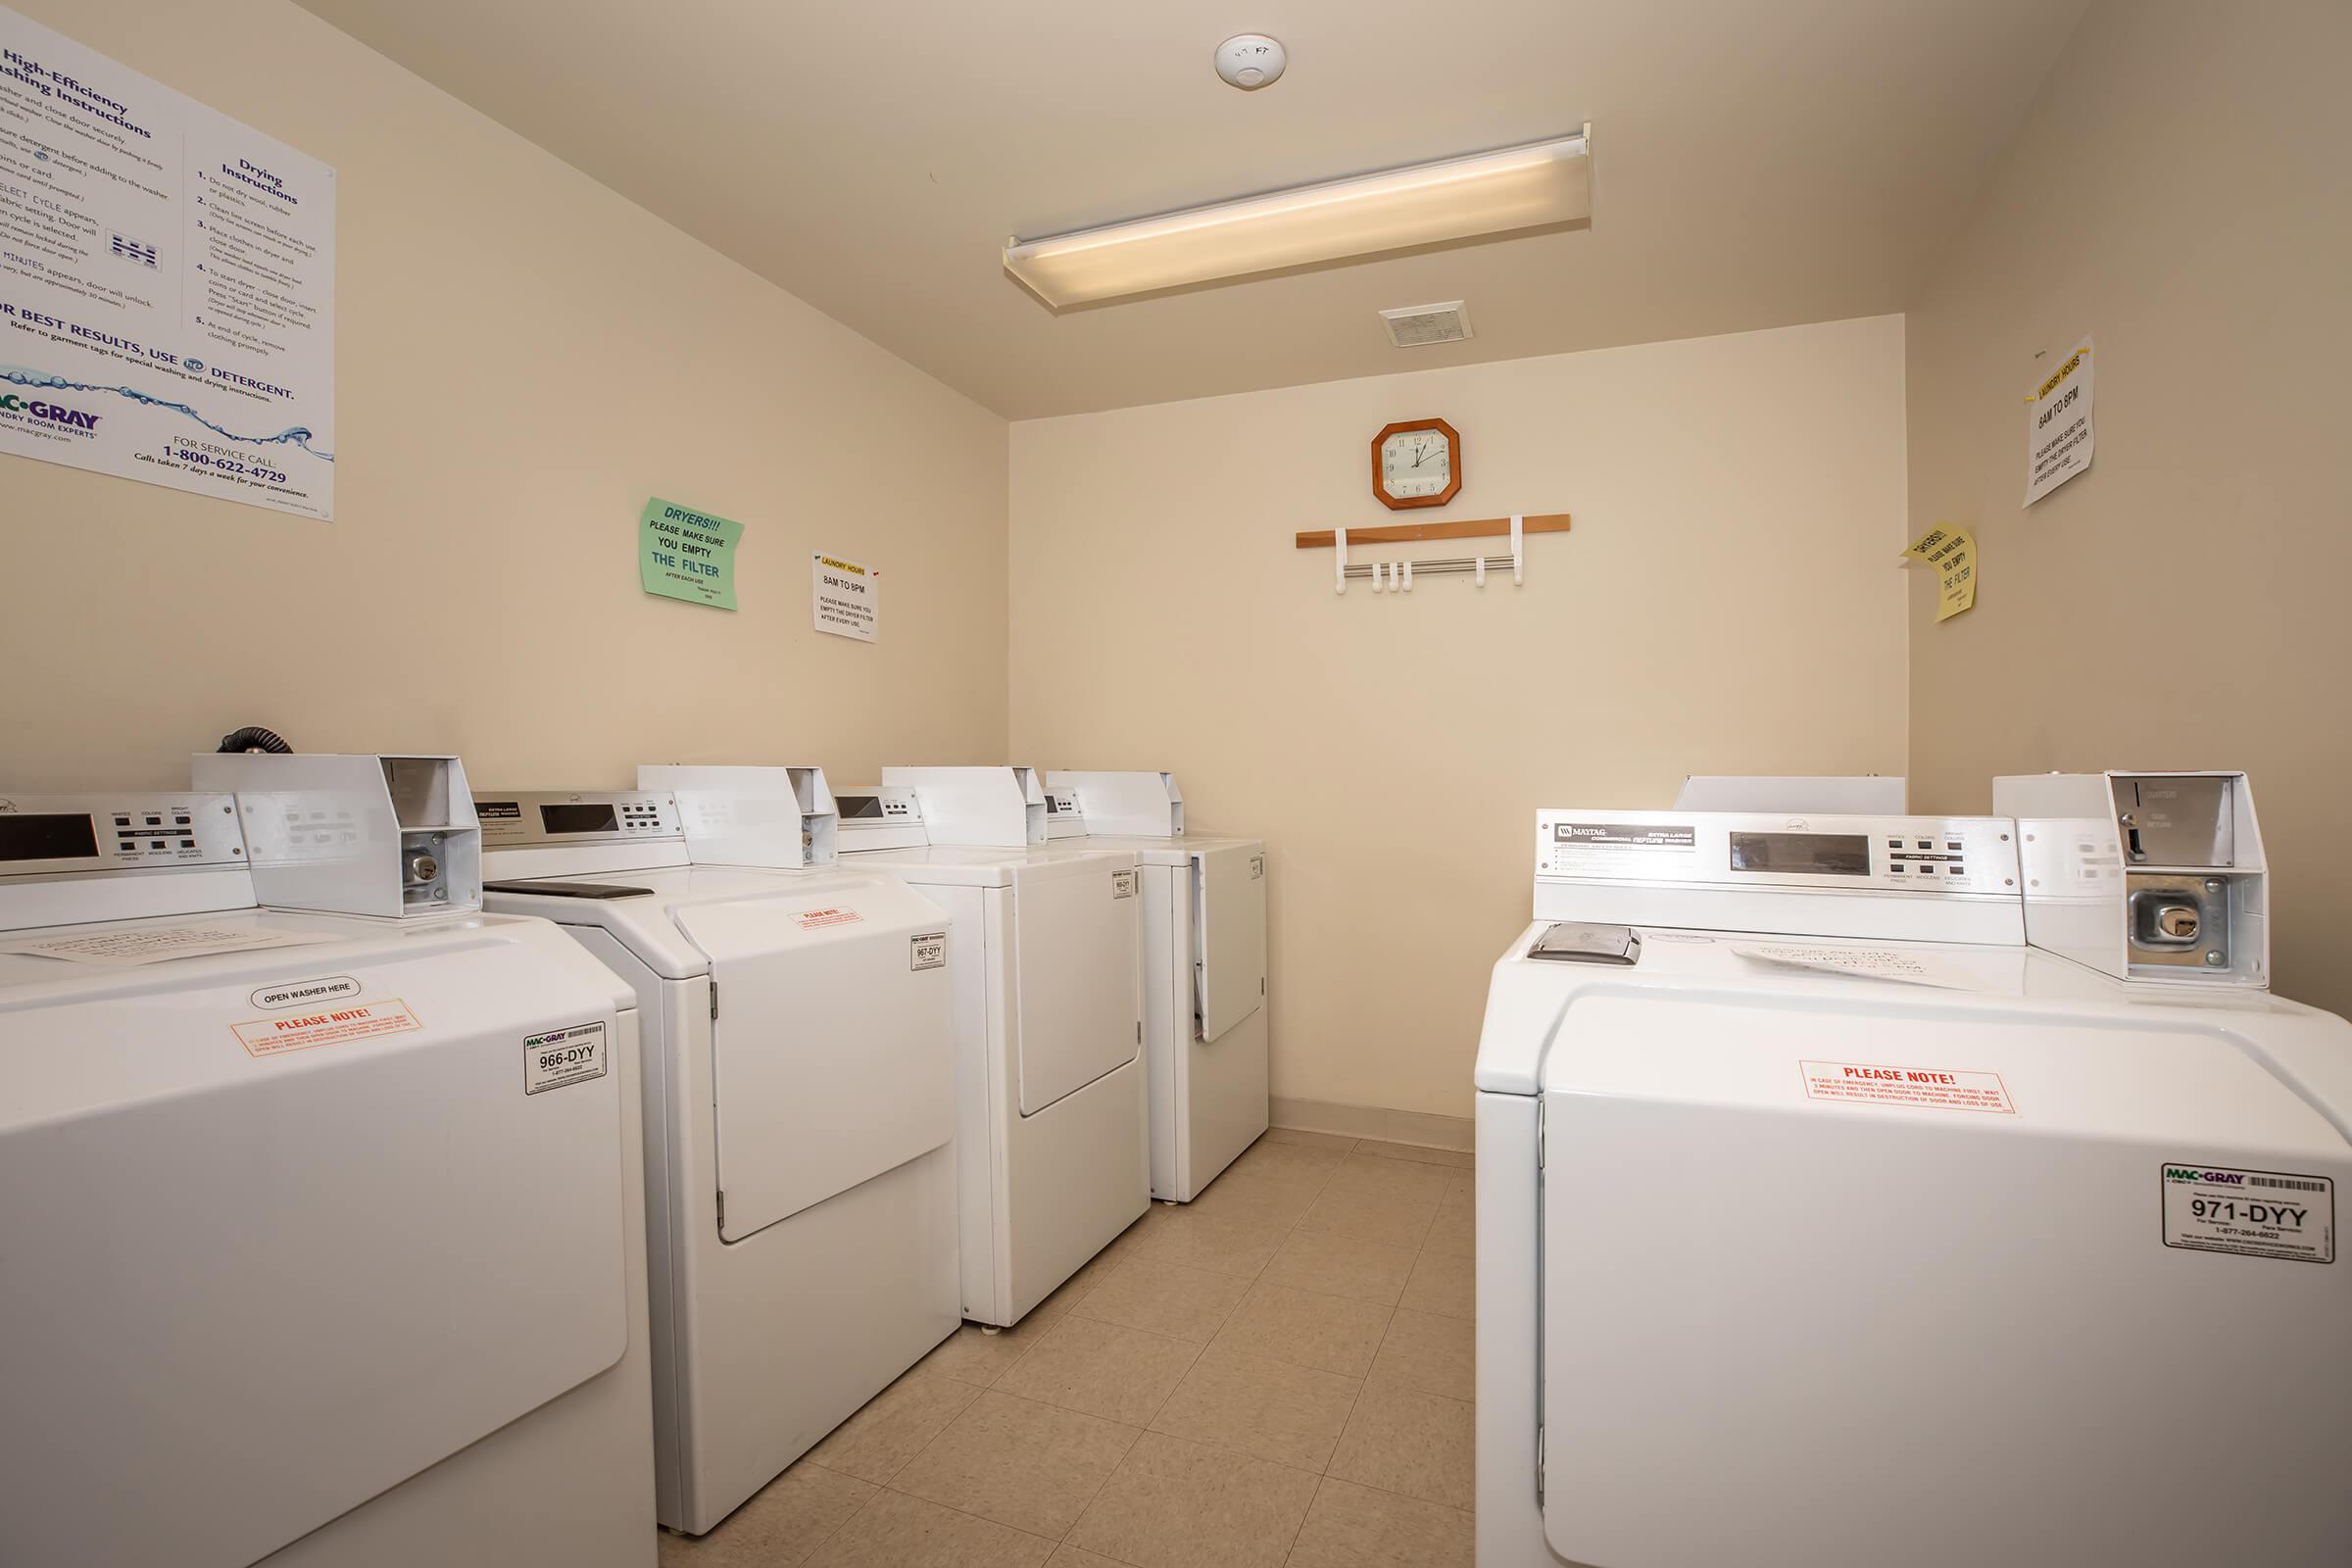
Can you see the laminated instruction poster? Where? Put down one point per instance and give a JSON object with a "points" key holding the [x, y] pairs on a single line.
{"points": [[167, 284]]}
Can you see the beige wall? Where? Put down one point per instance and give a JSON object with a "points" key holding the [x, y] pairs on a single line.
{"points": [[523, 359], [1728, 601], [2180, 192]]}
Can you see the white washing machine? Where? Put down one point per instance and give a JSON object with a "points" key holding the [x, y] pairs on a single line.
{"points": [[1203, 925], [1051, 1141], [799, 1109], [1822, 1222], [320, 1236]]}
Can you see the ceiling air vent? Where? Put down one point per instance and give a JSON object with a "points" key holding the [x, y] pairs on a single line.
{"points": [[1413, 326]]}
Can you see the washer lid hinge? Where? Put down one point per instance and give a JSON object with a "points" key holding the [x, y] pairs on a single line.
{"points": [[1538, 1464], [715, 998]]}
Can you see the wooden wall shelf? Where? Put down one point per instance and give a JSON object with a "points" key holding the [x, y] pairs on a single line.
{"points": [[1403, 533]]}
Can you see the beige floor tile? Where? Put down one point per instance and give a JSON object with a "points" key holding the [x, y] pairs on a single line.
{"points": [[1287, 1159], [1392, 1178], [1125, 1244], [783, 1525], [973, 1356], [894, 1426], [1370, 1217], [1443, 1284], [1024, 1464], [1341, 1265], [1429, 1353], [1178, 1505], [1185, 1304], [897, 1531], [1261, 1195], [1401, 1440], [1120, 1374], [1068, 1556], [1356, 1527], [1301, 1138], [1194, 1240], [1455, 1232], [1306, 1328], [1463, 1188], [1267, 1409], [1452, 1159]]}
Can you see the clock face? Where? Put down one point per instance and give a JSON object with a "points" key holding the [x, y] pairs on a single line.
{"points": [[1416, 462]]}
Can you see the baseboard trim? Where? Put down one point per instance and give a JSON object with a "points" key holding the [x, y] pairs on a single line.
{"points": [[1425, 1128]]}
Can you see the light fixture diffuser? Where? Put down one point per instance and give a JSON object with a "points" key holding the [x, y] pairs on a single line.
{"points": [[1455, 198]]}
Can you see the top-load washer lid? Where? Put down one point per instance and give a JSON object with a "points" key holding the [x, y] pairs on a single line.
{"points": [[1833, 1252], [1075, 955], [832, 1049], [1230, 907], [283, 1227]]}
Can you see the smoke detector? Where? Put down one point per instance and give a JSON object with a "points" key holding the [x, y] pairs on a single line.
{"points": [[1412, 326], [1251, 61]]}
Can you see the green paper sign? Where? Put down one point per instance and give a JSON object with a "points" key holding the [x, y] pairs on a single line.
{"points": [[685, 554]]}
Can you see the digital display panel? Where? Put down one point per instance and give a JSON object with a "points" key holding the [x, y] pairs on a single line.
{"points": [[47, 838], [597, 819], [1813, 854], [857, 806]]}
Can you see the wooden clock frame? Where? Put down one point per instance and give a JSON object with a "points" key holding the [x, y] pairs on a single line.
{"points": [[1454, 486]]}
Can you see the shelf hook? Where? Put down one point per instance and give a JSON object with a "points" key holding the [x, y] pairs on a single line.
{"points": [[1518, 576], [1339, 536]]}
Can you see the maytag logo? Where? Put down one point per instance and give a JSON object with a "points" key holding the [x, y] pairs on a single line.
{"points": [[55, 412], [2226, 1178]]}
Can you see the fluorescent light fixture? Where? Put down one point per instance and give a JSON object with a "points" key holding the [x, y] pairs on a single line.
{"points": [[1456, 198]]}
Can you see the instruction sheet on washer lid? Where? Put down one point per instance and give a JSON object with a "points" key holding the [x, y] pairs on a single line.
{"points": [[1874, 963], [157, 944]]}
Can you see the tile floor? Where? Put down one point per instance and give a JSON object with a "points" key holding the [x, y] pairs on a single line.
{"points": [[1278, 1372]]}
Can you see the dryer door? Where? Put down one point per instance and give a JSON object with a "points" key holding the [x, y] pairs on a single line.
{"points": [[832, 1054], [1230, 905], [1074, 966]]}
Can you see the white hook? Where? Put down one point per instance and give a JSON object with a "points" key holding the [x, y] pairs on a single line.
{"points": [[1517, 574], [1339, 538], [1408, 576], [1380, 575], [1480, 578]]}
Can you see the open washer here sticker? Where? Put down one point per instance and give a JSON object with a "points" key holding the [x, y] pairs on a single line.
{"points": [[2255, 1213]]}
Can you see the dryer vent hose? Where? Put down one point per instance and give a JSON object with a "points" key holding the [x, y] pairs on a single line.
{"points": [[254, 738]]}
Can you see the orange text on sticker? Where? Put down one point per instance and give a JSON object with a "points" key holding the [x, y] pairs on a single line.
{"points": [[811, 919], [1863, 1083], [337, 1026]]}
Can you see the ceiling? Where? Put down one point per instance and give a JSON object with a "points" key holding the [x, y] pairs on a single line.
{"points": [[1756, 163]]}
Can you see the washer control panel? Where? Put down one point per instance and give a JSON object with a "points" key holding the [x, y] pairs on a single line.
{"points": [[44, 835], [1917, 855], [549, 819]]}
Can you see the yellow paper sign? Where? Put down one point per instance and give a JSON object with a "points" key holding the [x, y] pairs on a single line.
{"points": [[1953, 554]]}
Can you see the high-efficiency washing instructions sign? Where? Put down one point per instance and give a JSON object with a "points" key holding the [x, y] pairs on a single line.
{"points": [[845, 597], [167, 284]]}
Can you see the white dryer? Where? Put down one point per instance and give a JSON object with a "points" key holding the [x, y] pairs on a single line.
{"points": [[1822, 1222], [1204, 926], [1051, 1141], [320, 1236], [799, 1109]]}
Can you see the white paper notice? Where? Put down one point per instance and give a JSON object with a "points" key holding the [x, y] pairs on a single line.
{"points": [[156, 942], [167, 284], [845, 597], [1877, 963], [2058, 426]]}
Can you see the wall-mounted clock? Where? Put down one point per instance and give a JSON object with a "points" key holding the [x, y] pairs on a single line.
{"points": [[1416, 462]]}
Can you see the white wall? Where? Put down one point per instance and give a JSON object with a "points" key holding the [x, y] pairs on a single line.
{"points": [[2179, 191], [1729, 601], [524, 358]]}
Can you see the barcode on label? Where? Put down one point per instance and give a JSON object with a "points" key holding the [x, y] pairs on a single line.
{"points": [[2286, 1186]]}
